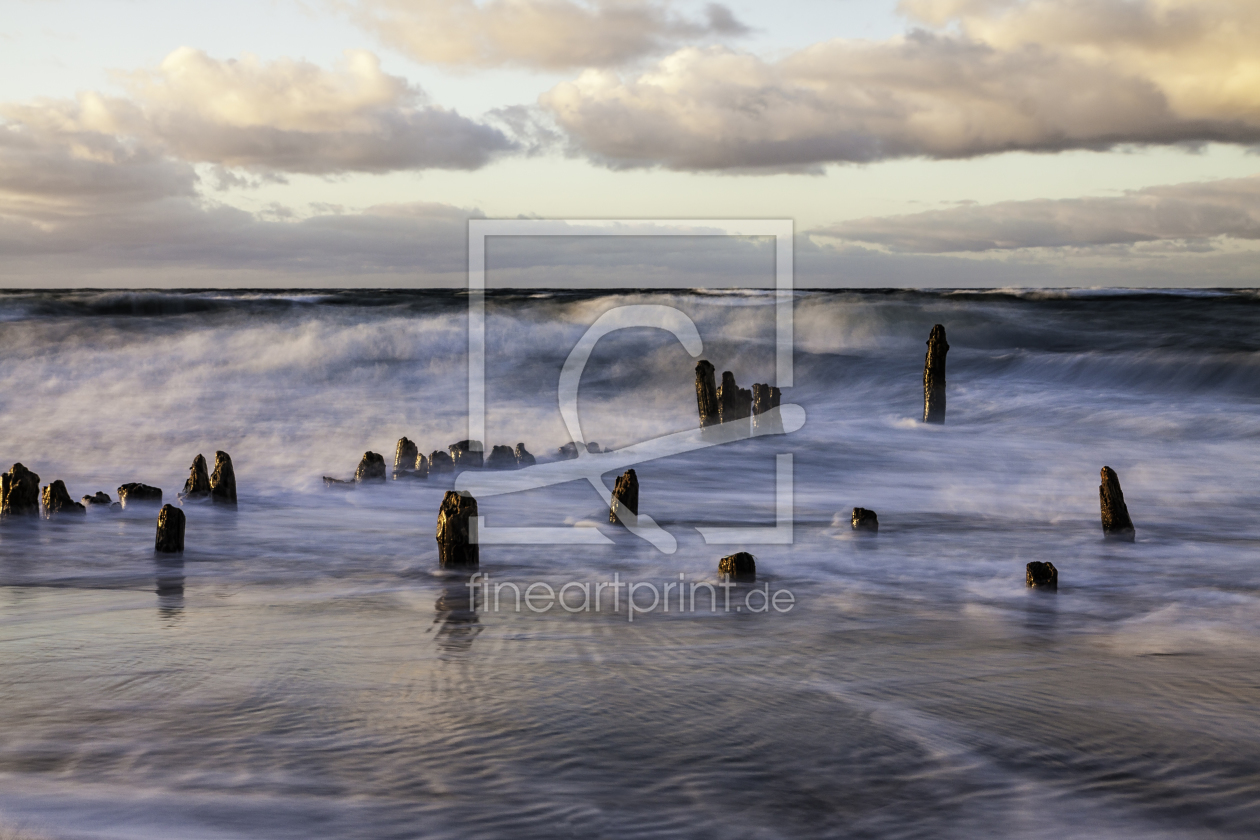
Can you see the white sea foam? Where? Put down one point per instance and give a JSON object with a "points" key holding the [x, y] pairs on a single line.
{"points": [[303, 670]]}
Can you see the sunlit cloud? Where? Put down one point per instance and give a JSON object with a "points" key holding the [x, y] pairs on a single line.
{"points": [[990, 76], [285, 116], [540, 34]]}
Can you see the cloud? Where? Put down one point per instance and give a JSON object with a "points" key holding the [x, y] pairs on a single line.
{"points": [[540, 34], [991, 76], [286, 116], [1187, 216], [77, 205], [48, 176], [174, 241], [128, 217]]}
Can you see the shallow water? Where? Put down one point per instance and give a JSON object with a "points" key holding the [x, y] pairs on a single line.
{"points": [[305, 670]]}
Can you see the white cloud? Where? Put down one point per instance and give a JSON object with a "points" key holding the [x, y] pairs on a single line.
{"points": [[994, 76], [288, 116], [542, 34], [78, 204], [1181, 217]]}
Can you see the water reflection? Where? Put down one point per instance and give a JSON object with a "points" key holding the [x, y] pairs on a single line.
{"points": [[170, 587], [1041, 611], [456, 617], [865, 540]]}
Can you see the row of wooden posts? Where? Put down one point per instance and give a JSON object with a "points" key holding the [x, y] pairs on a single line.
{"points": [[456, 549], [21, 497], [726, 403], [716, 404]]}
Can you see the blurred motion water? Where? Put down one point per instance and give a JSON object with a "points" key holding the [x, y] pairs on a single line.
{"points": [[303, 669]]}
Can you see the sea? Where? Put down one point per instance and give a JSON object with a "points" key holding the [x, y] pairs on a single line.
{"points": [[305, 669]]}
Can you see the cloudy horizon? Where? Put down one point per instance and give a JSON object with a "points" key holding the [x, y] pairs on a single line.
{"points": [[923, 143]]}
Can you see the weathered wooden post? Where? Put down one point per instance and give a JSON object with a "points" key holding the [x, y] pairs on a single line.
{"points": [[625, 496], [371, 468], [501, 458], [1040, 574], [523, 456], [407, 460], [864, 520], [19, 492], [170, 530], [456, 531], [466, 454], [223, 480], [734, 402], [1115, 514], [440, 462], [765, 398], [740, 566], [934, 377], [136, 493], [57, 501], [706, 394], [198, 484]]}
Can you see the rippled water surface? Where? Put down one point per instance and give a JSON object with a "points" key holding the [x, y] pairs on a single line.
{"points": [[305, 670]]}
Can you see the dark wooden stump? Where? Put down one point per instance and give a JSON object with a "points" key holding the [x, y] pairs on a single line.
{"points": [[406, 459], [625, 496], [57, 501], [198, 484], [454, 538], [706, 394], [501, 458], [170, 530], [741, 566], [466, 454], [734, 402], [1041, 574], [223, 480], [371, 469], [934, 377], [420, 472], [765, 399], [19, 492], [136, 493], [864, 520], [523, 458], [1115, 514]]}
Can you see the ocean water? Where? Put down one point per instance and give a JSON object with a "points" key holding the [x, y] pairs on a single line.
{"points": [[304, 669]]}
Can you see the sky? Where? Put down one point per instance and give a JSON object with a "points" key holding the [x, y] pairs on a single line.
{"points": [[920, 143]]}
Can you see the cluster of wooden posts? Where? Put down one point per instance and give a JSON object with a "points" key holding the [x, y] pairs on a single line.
{"points": [[21, 496], [20, 493], [729, 403]]}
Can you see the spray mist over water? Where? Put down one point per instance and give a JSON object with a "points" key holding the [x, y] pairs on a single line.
{"points": [[303, 669]]}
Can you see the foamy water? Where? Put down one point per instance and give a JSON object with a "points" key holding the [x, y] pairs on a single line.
{"points": [[304, 670]]}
